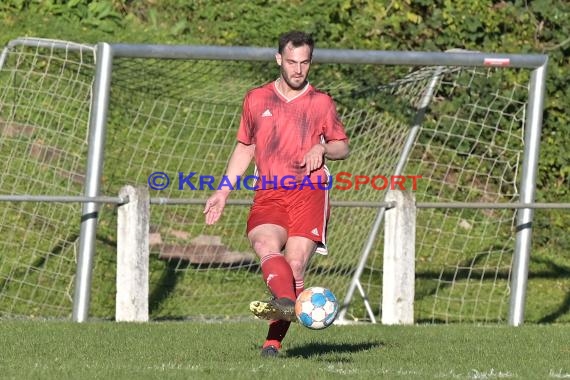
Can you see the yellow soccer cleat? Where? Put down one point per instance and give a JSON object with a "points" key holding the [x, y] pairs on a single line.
{"points": [[279, 308]]}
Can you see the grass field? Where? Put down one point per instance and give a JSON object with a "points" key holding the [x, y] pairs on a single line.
{"points": [[191, 350]]}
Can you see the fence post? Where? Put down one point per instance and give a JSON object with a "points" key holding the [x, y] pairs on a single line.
{"points": [[133, 256], [399, 259]]}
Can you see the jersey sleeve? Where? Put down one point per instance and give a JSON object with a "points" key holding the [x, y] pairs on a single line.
{"points": [[245, 130], [333, 128]]}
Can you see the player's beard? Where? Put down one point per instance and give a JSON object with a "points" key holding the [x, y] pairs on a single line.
{"points": [[291, 84]]}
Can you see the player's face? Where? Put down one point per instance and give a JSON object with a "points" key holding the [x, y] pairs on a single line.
{"points": [[295, 63]]}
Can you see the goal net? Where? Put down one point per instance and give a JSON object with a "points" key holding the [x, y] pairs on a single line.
{"points": [[45, 96], [180, 116]]}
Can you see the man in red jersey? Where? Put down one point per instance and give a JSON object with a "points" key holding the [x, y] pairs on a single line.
{"points": [[289, 127]]}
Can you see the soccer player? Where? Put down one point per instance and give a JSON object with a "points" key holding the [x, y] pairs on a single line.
{"points": [[288, 127]]}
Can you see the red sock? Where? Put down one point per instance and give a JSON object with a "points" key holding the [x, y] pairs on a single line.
{"points": [[278, 276], [277, 328], [276, 333], [299, 287]]}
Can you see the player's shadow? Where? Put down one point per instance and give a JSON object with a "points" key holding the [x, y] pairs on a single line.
{"points": [[319, 349]]}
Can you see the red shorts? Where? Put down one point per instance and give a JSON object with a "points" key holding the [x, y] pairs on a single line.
{"points": [[303, 212]]}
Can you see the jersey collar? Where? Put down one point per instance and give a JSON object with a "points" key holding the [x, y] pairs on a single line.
{"points": [[289, 100]]}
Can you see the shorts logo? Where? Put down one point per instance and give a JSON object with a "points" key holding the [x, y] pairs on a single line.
{"points": [[315, 232], [266, 113]]}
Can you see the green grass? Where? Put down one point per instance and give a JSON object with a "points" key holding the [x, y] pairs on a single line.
{"points": [[189, 350]]}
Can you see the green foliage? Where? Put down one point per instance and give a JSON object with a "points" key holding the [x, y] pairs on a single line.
{"points": [[103, 15]]}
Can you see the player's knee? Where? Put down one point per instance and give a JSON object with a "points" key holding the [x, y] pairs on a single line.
{"points": [[265, 246]]}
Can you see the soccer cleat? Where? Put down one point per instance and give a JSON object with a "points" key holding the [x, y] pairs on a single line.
{"points": [[269, 352], [278, 308]]}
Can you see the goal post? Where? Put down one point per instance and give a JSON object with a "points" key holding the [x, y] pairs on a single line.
{"points": [[174, 110], [92, 186], [521, 260]]}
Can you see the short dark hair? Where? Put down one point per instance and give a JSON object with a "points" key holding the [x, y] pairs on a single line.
{"points": [[297, 39]]}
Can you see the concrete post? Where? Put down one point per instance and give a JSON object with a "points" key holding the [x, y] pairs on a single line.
{"points": [[399, 260], [133, 256]]}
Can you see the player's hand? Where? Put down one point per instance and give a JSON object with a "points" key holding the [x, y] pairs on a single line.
{"points": [[215, 207], [314, 158]]}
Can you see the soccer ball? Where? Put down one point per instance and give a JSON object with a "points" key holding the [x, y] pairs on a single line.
{"points": [[316, 308]]}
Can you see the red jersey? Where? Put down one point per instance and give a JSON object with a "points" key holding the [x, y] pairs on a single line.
{"points": [[283, 131]]}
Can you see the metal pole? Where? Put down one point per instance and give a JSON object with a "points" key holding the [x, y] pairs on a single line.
{"points": [[528, 185], [61, 199], [3, 56], [97, 124], [351, 56]]}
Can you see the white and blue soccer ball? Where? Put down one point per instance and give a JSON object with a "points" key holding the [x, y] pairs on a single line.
{"points": [[316, 308]]}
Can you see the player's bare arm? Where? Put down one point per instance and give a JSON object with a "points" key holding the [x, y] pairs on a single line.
{"points": [[336, 150], [333, 150], [237, 165]]}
